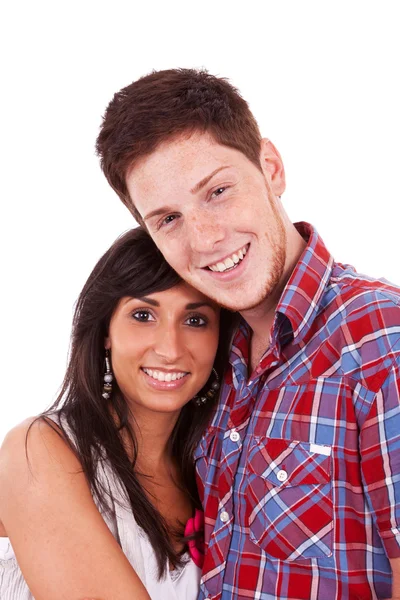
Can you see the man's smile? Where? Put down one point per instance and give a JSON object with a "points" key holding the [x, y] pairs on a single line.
{"points": [[230, 262]]}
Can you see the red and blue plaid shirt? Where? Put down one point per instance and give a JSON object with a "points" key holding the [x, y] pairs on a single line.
{"points": [[299, 472]]}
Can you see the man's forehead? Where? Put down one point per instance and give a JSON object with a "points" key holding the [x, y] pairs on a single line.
{"points": [[178, 164]]}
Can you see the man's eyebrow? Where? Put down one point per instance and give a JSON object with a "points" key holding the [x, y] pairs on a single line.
{"points": [[166, 209], [159, 211], [206, 179]]}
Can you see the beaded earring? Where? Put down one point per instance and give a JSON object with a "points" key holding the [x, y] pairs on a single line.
{"points": [[210, 394], [108, 377]]}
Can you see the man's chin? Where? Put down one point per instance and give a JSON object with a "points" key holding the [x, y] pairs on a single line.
{"points": [[238, 305], [240, 300], [248, 300]]}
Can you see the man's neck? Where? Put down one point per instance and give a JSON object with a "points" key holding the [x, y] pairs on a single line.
{"points": [[261, 318]]}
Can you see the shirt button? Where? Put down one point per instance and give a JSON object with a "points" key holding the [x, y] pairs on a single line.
{"points": [[282, 475], [224, 516], [235, 437]]}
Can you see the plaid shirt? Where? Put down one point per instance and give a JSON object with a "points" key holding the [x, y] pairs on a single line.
{"points": [[299, 472]]}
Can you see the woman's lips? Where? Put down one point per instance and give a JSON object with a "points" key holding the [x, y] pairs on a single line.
{"points": [[156, 384]]}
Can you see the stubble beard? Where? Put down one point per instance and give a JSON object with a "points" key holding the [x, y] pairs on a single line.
{"points": [[273, 284]]}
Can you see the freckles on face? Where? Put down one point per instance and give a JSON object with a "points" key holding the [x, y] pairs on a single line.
{"points": [[232, 211], [163, 347]]}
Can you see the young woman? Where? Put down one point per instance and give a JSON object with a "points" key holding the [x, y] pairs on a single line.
{"points": [[98, 495]]}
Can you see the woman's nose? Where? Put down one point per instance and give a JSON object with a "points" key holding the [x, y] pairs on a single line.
{"points": [[169, 344]]}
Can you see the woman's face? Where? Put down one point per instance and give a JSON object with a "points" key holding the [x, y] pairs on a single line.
{"points": [[163, 347]]}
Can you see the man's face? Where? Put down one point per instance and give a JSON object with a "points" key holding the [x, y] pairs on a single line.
{"points": [[214, 216]]}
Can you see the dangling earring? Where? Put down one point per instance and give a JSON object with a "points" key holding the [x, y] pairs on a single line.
{"points": [[108, 377], [210, 394]]}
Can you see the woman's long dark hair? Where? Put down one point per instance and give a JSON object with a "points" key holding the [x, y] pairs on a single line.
{"points": [[133, 266]]}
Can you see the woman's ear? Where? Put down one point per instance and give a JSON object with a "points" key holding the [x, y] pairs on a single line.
{"points": [[107, 343]]}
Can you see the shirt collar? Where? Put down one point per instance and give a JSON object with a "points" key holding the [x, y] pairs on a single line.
{"points": [[300, 301]]}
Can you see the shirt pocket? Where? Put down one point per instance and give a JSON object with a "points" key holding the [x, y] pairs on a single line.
{"points": [[289, 508]]}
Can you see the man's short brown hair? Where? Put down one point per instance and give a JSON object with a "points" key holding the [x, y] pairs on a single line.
{"points": [[164, 105]]}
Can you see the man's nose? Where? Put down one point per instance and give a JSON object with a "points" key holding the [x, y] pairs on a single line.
{"points": [[204, 231]]}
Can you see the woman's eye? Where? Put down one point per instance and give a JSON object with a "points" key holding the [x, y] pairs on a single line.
{"points": [[143, 316], [196, 321], [218, 192]]}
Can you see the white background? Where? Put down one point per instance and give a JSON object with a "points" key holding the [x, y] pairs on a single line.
{"points": [[322, 79]]}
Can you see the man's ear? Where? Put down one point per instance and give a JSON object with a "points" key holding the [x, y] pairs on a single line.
{"points": [[272, 167]]}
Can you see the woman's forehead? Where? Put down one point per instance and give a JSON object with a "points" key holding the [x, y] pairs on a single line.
{"points": [[182, 295]]}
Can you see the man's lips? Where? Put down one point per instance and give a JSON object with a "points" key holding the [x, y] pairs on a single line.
{"points": [[230, 262], [232, 274]]}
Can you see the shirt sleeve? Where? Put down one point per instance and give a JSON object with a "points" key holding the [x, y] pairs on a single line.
{"points": [[380, 458]]}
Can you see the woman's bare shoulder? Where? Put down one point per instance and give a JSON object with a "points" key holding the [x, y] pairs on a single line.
{"points": [[55, 528], [31, 452], [36, 430]]}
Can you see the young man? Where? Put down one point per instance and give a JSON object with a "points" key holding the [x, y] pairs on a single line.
{"points": [[300, 469]]}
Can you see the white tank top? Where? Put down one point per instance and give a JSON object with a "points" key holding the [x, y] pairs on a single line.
{"points": [[180, 584]]}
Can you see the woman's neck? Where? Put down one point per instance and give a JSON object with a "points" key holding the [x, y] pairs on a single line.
{"points": [[152, 432]]}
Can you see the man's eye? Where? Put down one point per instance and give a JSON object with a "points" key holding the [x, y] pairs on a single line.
{"points": [[167, 220], [218, 192], [143, 316], [196, 321]]}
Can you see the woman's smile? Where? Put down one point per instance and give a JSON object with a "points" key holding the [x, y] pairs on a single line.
{"points": [[165, 380]]}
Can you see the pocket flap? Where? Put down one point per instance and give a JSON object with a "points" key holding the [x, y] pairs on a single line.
{"points": [[204, 447], [289, 463]]}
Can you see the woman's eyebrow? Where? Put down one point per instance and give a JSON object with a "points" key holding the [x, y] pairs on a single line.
{"points": [[189, 306], [194, 305], [148, 301]]}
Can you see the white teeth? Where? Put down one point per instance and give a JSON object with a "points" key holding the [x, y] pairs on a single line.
{"points": [[162, 376], [229, 262]]}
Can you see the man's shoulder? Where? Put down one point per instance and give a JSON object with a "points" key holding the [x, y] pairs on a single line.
{"points": [[357, 293], [361, 322]]}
